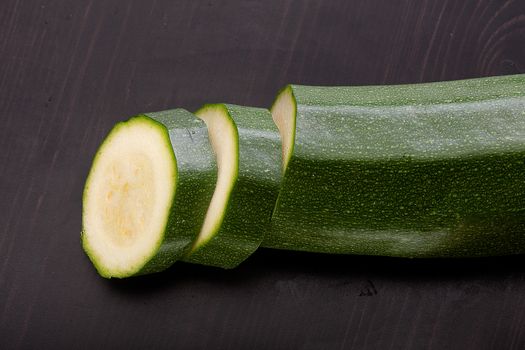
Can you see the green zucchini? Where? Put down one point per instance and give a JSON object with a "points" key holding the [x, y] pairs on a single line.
{"points": [[424, 170], [247, 145], [147, 192]]}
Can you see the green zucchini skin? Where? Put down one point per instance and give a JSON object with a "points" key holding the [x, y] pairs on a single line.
{"points": [[248, 212], [425, 170], [197, 174]]}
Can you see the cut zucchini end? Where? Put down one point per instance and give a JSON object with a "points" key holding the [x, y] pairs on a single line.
{"points": [[128, 196], [284, 110], [223, 136]]}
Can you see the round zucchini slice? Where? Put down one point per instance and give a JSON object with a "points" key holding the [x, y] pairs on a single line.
{"points": [[147, 193]]}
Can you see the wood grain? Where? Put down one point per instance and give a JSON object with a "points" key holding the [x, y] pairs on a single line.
{"points": [[70, 69]]}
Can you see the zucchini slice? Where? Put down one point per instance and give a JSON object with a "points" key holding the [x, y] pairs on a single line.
{"points": [[147, 193], [424, 170], [247, 146]]}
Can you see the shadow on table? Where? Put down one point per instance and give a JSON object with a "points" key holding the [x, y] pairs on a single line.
{"points": [[276, 264]]}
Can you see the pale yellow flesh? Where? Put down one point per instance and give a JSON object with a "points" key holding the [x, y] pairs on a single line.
{"points": [[222, 134], [283, 114], [128, 197]]}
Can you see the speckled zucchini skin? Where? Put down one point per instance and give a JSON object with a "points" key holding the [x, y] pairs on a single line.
{"points": [[247, 216], [197, 174], [426, 170]]}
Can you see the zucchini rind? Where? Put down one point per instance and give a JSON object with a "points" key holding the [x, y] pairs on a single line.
{"points": [[424, 170]]}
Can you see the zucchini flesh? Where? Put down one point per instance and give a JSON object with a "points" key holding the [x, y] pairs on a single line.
{"points": [[425, 170], [146, 193], [247, 147]]}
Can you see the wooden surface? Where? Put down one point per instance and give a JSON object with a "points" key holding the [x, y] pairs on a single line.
{"points": [[70, 69]]}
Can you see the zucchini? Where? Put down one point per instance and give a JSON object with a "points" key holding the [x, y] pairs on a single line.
{"points": [[247, 146], [147, 192], [423, 170]]}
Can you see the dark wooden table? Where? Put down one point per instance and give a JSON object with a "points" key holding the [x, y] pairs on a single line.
{"points": [[70, 69]]}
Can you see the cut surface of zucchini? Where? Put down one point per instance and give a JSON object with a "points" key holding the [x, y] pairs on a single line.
{"points": [[283, 114], [128, 196], [224, 140], [146, 193]]}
